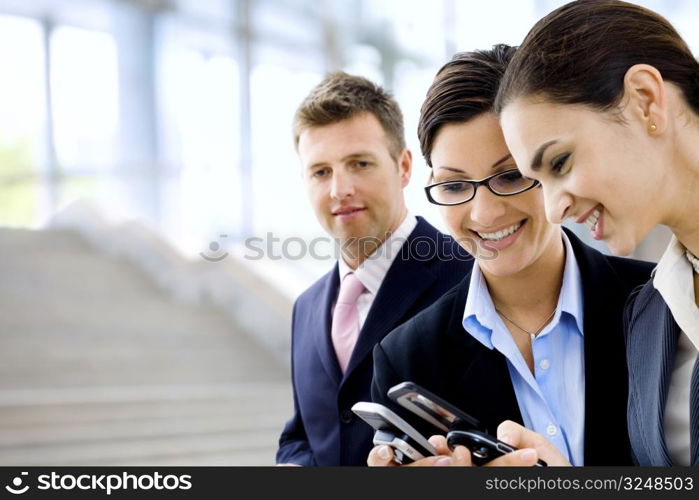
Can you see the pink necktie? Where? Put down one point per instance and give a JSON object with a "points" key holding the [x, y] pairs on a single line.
{"points": [[345, 326]]}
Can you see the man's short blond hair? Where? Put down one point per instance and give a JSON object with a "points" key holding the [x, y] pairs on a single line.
{"points": [[341, 96]]}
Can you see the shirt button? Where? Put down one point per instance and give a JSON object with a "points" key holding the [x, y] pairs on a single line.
{"points": [[551, 430], [544, 364], [346, 416]]}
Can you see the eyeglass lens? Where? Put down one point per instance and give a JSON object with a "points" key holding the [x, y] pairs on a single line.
{"points": [[508, 182]]}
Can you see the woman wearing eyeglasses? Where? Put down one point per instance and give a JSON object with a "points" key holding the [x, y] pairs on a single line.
{"points": [[534, 333]]}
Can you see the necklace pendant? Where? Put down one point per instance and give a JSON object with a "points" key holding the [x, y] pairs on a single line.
{"points": [[532, 337]]}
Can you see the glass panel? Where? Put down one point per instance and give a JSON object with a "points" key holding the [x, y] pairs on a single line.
{"points": [[84, 84], [297, 22], [22, 117], [411, 84], [279, 193], [480, 25], [201, 140]]}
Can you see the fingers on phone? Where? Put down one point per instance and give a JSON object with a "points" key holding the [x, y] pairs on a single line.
{"points": [[462, 456], [436, 461], [440, 444], [518, 436], [381, 456], [526, 457], [510, 432]]}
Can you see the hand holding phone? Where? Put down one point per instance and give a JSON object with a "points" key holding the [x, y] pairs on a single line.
{"points": [[483, 447], [461, 428], [407, 443]]}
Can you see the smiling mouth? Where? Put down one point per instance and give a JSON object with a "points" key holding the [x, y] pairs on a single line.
{"points": [[499, 235], [592, 219]]}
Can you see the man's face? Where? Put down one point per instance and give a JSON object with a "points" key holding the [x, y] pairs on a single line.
{"points": [[355, 186]]}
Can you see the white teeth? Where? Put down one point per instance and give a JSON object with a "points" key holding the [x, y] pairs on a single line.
{"points": [[500, 234], [591, 221]]}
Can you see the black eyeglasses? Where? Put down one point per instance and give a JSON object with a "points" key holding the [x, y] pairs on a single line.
{"points": [[506, 183]]}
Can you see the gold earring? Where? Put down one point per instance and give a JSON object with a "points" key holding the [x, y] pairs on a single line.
{"points": [[652, 128]]}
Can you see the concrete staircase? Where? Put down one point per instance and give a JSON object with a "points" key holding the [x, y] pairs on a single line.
{"points": [[98, 366]]}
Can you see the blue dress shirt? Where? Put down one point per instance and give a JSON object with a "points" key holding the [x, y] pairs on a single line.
{"points": [[552, 401]]}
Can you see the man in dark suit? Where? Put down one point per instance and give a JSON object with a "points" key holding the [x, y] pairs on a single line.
{"points": [[349, 136]]}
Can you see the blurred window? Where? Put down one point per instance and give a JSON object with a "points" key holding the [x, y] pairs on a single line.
{"points": [[22, 120], [279, 195], [85, 109], [199, 102], [85, 98]]}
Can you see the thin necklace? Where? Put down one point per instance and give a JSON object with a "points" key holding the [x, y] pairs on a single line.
{"points": [[532, 335], [692, 260]]}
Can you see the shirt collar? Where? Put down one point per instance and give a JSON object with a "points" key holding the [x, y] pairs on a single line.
{"points": [[480, 310], [674, 280], [373, 270], [479, 313], [571, 298], [672, 264]]}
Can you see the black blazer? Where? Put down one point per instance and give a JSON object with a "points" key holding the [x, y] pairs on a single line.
{"points": [[323, 430], [434, 351]]}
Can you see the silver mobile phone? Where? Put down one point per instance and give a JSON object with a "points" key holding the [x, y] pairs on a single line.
{"points": [[407, 443]]}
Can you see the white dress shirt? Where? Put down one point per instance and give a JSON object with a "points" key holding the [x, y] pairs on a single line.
{"points": [[674, 280], [373, 270]]}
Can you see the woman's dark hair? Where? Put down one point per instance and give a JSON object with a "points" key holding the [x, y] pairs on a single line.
{"points": [[464, 88], [580, 52]]}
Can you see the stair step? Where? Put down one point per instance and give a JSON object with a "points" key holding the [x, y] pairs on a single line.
{"points": [[259, 456], [130, 451], [137, 429], [100, 366]]}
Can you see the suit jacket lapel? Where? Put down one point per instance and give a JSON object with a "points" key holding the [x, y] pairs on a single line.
{"points": [[321, 326], [652, 348], [488, 374], [485, 372], [667, 348], [406, 280], [605, 372], [694, 415]]}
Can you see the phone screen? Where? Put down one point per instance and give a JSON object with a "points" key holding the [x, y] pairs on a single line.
{"points": [[438, 412], [431, 408]]}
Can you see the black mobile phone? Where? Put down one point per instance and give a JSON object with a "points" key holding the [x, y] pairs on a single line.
{"points": [[407, 443], [430, 407], [461, 427], [482, 446]]}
